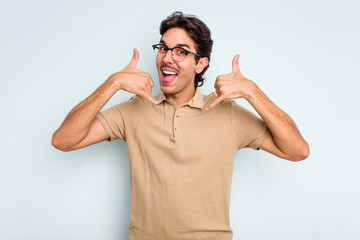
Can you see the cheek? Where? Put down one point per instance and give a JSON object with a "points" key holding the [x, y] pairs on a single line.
{"points": [[158, 65], [157, 62], [189, 70]]}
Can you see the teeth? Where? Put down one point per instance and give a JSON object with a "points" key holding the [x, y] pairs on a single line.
{"points": [[168, 72]]}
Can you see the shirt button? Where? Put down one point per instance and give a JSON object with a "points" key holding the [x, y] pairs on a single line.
{"points": [[176, 129], [177, 115]]}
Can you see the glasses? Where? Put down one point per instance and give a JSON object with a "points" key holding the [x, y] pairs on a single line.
{"points": [[178, 53]]}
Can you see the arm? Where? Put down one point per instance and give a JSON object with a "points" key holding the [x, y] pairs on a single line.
{"points": [[81, 128], [285, 140]]}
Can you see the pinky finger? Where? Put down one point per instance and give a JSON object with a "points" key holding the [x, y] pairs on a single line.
{"points": [[214, 103], [151, 99]]}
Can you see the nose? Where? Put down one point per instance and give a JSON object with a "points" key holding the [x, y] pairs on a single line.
{"points": [[168, 57]]}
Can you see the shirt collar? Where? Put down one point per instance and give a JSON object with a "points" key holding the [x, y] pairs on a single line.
{"points": [[197, 101]]}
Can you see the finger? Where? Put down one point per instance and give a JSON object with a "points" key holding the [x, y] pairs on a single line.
{"points": [[217, 90], [149, 88], [151, 99], [151, 82], [135, 59], [214, 103], [235, 64]]}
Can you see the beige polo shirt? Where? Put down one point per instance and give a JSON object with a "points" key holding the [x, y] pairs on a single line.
{"points": [[181, 163]]}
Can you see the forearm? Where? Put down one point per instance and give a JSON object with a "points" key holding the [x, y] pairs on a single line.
{"points": [[77, 123], [283, 129], [80, 120]]}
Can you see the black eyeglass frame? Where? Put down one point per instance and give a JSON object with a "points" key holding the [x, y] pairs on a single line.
{"points": [[167, 49]]}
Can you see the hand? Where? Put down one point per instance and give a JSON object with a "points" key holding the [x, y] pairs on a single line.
{"points": [[133, 80], [232, 85]]}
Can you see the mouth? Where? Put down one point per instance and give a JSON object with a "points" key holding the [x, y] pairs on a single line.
{"points": [[168, 75]]}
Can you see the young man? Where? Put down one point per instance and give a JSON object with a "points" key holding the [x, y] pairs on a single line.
{"points": [[181, 143]]}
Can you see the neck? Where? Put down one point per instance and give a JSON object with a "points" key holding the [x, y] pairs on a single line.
{"points": [[181, 98]]}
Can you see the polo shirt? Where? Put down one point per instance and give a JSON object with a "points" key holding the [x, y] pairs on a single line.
{"points": [[181, 163]]}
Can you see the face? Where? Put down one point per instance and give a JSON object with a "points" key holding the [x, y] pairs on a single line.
{"points": [[177, 78]]}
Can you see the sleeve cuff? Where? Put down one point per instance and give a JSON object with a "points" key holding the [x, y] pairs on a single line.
{"points": [[256, 145], [106, 126]]}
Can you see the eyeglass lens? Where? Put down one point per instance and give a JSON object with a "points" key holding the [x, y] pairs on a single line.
{"points": [[178, 53]]}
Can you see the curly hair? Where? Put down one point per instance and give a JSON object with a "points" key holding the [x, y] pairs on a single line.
{"points": [[198, 31]]}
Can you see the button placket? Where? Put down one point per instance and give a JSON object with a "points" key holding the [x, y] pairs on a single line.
{"points": [[176, 120], [171, 116]]}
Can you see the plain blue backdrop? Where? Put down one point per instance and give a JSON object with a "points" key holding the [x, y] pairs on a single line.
{"points": [[303, 54]]}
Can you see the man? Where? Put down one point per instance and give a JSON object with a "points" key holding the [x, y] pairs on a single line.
{"points": [[181, 143]]}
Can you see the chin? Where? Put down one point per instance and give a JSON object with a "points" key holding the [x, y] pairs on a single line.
{"points": [[167, 89]]}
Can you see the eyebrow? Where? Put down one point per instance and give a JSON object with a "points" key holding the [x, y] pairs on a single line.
{"points": [[178, 45]]}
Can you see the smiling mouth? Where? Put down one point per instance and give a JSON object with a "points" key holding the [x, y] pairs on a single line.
{"points": [[168, 75]]}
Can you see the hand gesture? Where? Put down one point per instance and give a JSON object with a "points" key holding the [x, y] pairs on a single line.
{"points": [[133, 80], [232, 85]]}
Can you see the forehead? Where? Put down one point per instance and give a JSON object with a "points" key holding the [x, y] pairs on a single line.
{"points": [[177, 36]]}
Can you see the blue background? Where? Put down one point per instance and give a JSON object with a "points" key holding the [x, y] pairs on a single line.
{"points": [[303, 54]]}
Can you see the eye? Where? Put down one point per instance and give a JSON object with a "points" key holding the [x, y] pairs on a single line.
{"points": [[180, 51], [162, 48]]}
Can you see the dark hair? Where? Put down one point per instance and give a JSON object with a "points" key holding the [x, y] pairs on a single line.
{"points": [[198, 31]]}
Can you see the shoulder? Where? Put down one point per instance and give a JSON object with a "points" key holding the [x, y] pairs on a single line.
{"points": [[136, 101], [134, 104], [208, 99]]}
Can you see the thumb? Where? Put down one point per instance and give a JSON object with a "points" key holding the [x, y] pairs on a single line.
{"points": [[235, 64], [135, 59]]}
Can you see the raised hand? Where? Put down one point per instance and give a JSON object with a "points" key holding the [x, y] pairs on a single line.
{"points": [[232, 85], [133, 80]]}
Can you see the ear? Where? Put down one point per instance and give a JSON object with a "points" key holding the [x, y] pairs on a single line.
{"points": [[202, 63]]}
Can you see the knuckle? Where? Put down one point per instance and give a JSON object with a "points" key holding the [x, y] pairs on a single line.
{"points": [[138, 84]]}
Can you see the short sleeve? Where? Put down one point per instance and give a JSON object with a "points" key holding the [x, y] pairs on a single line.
{"points": [[113, 121], [250, 130]]}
